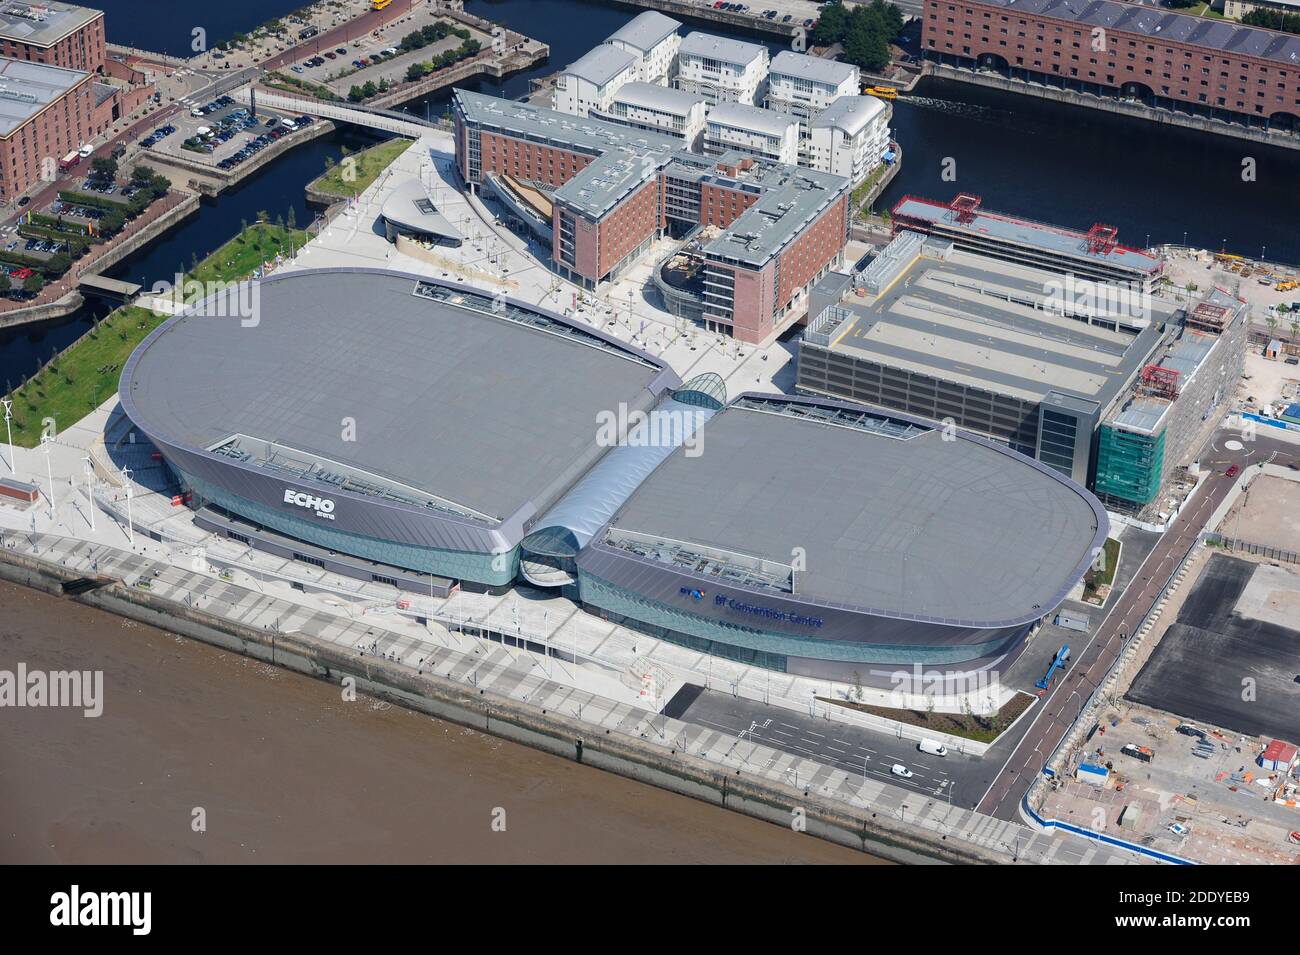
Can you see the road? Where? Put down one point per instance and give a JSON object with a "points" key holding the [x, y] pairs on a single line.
{"points": [[957, 778], [340, 35], [1061, 708]]}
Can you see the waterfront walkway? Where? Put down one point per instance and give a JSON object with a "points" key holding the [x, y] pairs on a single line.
{"points": [[529, 678]]}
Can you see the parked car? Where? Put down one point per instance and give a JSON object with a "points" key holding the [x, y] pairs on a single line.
{"points": [[24, 200]]}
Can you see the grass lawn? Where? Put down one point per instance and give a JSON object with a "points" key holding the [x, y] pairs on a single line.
{"points": [[982, 729], [1104, 577], [86, 373], [365, 168]]}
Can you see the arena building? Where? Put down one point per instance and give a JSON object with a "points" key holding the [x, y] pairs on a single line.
{"points": [[452, 439], [379, 424], [816, 538]]}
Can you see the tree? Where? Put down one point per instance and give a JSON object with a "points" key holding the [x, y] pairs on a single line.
{"points": [[831, 24], [104, 167], [292, 220], [34, 283], [5, 285]]}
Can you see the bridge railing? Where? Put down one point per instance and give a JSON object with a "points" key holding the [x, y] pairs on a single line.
{"points": [[387, 120]]}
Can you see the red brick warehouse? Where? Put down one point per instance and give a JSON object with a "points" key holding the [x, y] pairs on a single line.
{"points": [[1169, 59]]}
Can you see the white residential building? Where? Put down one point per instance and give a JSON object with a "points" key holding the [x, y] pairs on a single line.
{"points": [[652, 38], [753, 131], [722, 70], [849, 138], [805, 85], [591, 82], [659, 110]]}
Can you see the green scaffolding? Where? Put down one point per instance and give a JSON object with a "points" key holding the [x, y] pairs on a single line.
{"points": [[1129, 465]]}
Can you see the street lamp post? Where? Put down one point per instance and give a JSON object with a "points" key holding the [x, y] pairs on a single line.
{"points": [[130, 527], [45, 446], [90, 490], [8, 407]]}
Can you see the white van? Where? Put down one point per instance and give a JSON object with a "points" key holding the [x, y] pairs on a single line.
{"points": [[931, 747]]}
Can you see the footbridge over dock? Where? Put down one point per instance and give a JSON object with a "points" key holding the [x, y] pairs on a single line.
{"points": [[102, 287], [385, 120]]}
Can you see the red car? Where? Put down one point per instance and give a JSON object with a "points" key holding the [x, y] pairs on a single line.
{"points": [[1232, 471]]}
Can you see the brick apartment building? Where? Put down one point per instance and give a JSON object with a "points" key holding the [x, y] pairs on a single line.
{"points": [[767, 231], [57, 34], [1170, 58], [46, 112]]}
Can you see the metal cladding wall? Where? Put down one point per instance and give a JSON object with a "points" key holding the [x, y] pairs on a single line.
{"points": [[384, 522], [783, 624]]}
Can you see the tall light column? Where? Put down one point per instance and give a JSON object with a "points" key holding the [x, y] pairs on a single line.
{"points": [[45, 446], [130, 527], [8, 406], [90, 489]]}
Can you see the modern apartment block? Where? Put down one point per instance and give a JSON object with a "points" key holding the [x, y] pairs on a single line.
{"points": [[722, 70], [849, 138], [752, 131], [767, 231], [56, 34], [804, 85], [592, 81], [652, 38], [45, 113], [658, 109], [1173, 59]]}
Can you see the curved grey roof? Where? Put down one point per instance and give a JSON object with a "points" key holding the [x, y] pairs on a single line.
{"points": [[491, 411], [601, 64], [744, 116], [850, 113], [654, 96], [721, 48], [815, 68], [646, 30], [891, 516], [604, 489], [408, 205]]}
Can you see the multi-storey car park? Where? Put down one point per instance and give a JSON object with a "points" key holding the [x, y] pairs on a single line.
{"points": [[454, 438], [607, 192], [1039, 338], [1168, 59]]}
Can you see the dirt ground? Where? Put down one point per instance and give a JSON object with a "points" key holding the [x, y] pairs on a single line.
{"points": [[1268, 514]]}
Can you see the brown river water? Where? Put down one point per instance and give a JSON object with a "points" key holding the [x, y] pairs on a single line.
{"points": [[286, 771]]}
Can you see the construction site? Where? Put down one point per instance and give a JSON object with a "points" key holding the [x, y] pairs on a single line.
{"points": [[1195, 752]]}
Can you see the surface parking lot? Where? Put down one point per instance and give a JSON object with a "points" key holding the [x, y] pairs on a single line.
{"points": [[221, 133], [1222, 667]]}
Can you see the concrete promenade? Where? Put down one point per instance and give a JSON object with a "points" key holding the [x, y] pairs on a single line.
{"points": [[768, 783]]}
